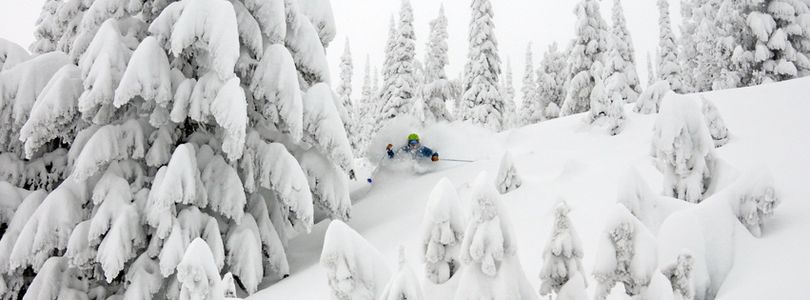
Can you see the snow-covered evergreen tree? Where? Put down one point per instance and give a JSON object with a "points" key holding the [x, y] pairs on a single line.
{"points": [[562, 255], [400, 87], [481, 100], [626, 254], [625, 78], [669, 67], [590, 45], [733, 60], [437, 90], [366, 109], [552, 76], [355, 269], [683, 148], [508, 178], [173, 121], [508, 94], [491, 267], [607, 103], [403, 284], [443, 230], [532, 106], [650, 71], [344, 92]]}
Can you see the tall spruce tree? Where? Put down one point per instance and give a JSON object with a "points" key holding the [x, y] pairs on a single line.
{"points": [[532, 107], [400, 89], [669, 67], [344, 92], [481, 100], [625, 61], [437, 89], [590, 45]]}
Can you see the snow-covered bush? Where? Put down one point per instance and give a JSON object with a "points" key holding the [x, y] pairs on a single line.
{"points": [[355, 269], [717, 127], [562, 257], [403, 284], [754, 199], [626, 254], [649, 102], [443, 230], [491, 266], [683, 148], [679, 274], [508, 178]]}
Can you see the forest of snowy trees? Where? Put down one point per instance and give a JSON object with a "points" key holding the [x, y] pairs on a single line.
{"points": [[161, 148]]}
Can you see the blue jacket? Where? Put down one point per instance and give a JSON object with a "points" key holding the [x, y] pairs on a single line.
{"points": [[420, 152]]}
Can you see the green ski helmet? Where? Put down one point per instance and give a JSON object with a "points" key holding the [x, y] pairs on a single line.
{"points": [[413, 137]]}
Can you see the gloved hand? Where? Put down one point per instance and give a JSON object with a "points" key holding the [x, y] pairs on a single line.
{"points": [[389, 151], [434, 157]]}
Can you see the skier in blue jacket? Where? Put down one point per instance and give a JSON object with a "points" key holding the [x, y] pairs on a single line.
{"points": [[414, 148]]}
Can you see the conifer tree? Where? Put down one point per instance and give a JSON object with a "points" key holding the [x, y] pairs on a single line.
{"points": [[669, 67], [590, 45], [508, 93], [144, 135], [400, 88], [481, 100], [624, 61], [344, 92], [437, 90], [532, 106], [552, 79]]}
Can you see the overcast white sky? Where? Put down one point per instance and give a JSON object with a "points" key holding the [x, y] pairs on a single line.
{"points": [[365, 22]]}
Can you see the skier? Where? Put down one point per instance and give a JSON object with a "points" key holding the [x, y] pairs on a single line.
{"points": [[414, 148]]}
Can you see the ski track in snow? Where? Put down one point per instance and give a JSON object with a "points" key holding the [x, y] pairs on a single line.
{"points": [[564, 158]]}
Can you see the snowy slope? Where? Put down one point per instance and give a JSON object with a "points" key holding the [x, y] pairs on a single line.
{"points": [[564, 158]]}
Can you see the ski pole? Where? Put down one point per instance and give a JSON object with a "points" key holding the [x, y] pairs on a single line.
{"points": [[369, 180], [457, 160]]}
